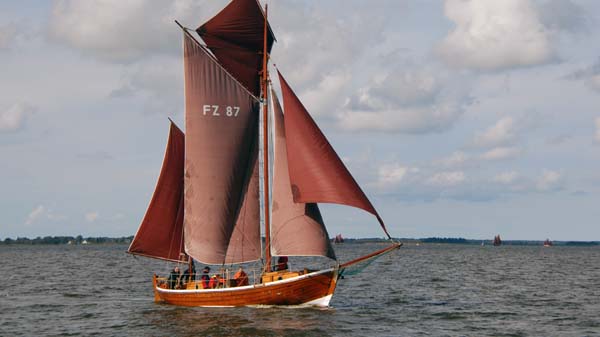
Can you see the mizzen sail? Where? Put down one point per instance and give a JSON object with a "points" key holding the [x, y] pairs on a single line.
{"points": [[221, 139], [160, 234], [297, 228], [235, 37], [317, 174]]}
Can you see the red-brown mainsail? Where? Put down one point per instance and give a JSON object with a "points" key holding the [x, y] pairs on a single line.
{"points": [[317, 173], [221, 120], [160, 233]]}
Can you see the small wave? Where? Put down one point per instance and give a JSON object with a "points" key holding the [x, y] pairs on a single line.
{"points": [[74, 295], [450, 315]]}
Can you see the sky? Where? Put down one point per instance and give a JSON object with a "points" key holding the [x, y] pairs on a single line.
{"points": [[458, 118]]}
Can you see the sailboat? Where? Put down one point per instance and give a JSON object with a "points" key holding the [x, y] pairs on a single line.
{"points": [[547, 243], [240, 164], [497, 240], [338, 239]]}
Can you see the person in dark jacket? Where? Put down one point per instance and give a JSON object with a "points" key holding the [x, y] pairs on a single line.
{"points": [[189, 274], [174, 278]]}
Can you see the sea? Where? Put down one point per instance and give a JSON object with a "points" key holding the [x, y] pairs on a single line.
{"points": [[425, 290]]}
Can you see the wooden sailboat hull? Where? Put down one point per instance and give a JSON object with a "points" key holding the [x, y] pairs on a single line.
{"points": [[312, 289]]}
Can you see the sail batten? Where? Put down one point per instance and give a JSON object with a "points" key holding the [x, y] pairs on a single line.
{"points": [[220, 197], [160, 233], [317, 174]]}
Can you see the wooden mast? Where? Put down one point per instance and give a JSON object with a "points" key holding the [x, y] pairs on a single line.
{"points": [[265, 79]]}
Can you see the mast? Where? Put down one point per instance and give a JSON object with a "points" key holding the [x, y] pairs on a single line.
{"points": [[264, 80]]}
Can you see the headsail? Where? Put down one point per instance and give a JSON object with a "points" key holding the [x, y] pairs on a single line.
{"points": [[221, 140], [235, 37], [160, 234], [317, 173], [297, 228]]}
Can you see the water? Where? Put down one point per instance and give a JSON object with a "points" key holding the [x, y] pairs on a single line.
{"points": [[430, 290]]}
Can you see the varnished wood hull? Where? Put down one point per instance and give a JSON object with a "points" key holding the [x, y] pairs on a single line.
{"points": [[314, 288]]}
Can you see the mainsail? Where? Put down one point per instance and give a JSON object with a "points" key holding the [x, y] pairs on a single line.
{"points": [[160, 234], [235, 37], [317, 173], [221, 152], [297, 228]]}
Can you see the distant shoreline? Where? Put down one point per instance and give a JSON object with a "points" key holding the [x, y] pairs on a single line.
{"points": [[80, 240]]}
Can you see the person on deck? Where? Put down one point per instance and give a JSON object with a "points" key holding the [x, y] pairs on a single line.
{"points": [[174, 278], [190, 273], [240, 278], [215, 281], [205, 277], [282, 263]]}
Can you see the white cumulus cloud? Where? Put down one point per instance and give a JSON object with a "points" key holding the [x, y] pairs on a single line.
{"points": [[501, 133], [15, 117], [549, 181], [404, 100], [449, 178], [500, 153], [493, 35], [35, 214], [124, 31]]}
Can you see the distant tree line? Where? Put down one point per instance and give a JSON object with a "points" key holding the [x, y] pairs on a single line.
{"points": [[444, 240], [58, 240]]}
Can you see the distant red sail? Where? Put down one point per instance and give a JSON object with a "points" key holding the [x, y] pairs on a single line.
{"points": [[297, 229], [221, 119], [317, 173], [236, 37], [160, 234]]}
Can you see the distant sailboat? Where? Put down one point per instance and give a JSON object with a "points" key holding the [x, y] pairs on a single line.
{"points": [[497, 240], [206, 203], [547, 243], [338, 239]]}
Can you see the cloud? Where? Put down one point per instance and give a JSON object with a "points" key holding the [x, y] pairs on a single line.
{"points": [[506, 177], [35, 215], [157, 83], [549, 181], [91, 216], [15, 117], [456, 159], [450, 178], [405, 100], [563, 15], [503, 132], [500, 153], [390, 175], [491, 35], [125, 31], [589, 75]]}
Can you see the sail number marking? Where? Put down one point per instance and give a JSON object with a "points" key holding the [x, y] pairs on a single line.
{"points": [[219, 110]]}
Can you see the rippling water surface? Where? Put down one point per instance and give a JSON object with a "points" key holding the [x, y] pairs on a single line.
{"points": [[427, 290]]}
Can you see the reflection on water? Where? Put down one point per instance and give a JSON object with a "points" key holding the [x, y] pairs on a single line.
{"points": [[430, 290]]}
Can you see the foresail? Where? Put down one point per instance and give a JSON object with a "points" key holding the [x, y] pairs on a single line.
{"points": [[235, 37], [221, 136], [296, 228], [160, 234], [317, 174]]}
